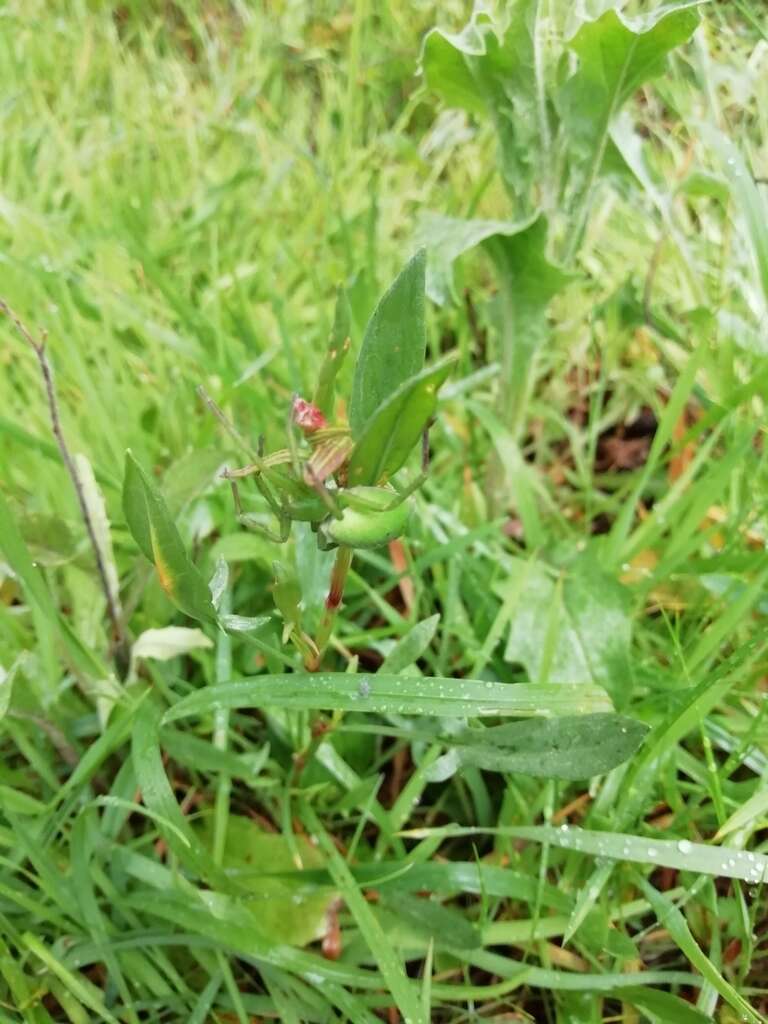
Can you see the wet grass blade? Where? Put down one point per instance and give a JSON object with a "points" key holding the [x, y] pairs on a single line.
{"points": [[401, 695]]}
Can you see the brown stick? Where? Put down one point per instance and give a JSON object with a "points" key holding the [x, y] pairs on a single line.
{"points": [[38, 347]]}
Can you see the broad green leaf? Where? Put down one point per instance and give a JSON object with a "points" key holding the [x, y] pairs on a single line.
{"points": [[392, 432], [491, 68], [169, 642], [337, 350], [281, 907], [158, 539], [409, 648], [393, 345], [574, 747], [448, 238], [400, 695], [616, 56], [573, 628]]}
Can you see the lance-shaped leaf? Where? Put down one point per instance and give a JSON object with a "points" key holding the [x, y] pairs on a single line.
{"points": [[616, 56], [395, 695], [392, 432], [393, 346], [334, 356], [491, 68], [573, 747], [158, 539]]}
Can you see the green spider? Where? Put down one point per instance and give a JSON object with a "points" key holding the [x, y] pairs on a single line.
{"points": [[297, 490]]}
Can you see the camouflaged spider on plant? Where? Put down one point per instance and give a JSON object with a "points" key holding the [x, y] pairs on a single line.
{"points": [[297, 489], [340, 479]]}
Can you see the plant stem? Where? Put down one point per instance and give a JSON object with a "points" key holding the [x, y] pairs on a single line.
{"points": [[119, 639], [332, 604]]}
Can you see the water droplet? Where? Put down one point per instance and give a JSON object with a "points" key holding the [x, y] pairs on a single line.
{"points": [[564, 827], [652, 851], [364, 689], [489, 686], [684, 846]]}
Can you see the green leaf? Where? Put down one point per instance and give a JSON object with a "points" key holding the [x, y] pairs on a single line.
{"points": [[400, 695], [527, 280], [448, 238], [491, 68], [393, 346], [750, 203], [409, 648], [334, 356], [663, 1007], [17, 555], [574, 747], [282, 908], [699, 858], [158, 539], [388, 961], [672, 919], [392, 432], [616, 56], [158, 797], [428, 917], [573, 628]]}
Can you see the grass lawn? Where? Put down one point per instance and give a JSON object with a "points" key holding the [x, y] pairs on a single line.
{"points": [[516, 769]]}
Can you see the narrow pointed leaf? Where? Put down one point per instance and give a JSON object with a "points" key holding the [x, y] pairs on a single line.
{"points": [[393, 346], [334, 356], [390, 694], [158, 539]]}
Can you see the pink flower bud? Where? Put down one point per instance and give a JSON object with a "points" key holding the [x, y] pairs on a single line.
{"points": [[307, 416]]}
